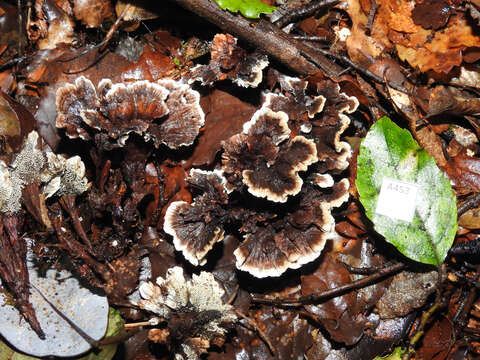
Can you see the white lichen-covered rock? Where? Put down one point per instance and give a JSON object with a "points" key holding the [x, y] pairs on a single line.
{"points": [[35, 162], [199, 300]]}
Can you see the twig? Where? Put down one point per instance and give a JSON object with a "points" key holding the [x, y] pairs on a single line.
{"points": [[363, 270], [420, 331], [68, 204], [464, 308], [303, 11], [471, 203], [233, 295], [20, 27], [266, 37], [363, 71], [104, 42], [255, 327], [310, 38], [80, 331], [371, 16], [328, 294]]}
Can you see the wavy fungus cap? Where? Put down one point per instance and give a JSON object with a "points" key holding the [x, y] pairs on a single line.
{"points": [[168, 111], [197, 299], [229, 61], [265, 159], [275, 186], [198, 226]]}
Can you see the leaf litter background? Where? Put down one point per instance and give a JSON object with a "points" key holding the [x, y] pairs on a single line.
{"points": [[414, 61]]}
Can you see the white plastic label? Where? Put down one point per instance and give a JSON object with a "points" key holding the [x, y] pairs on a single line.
{"points": [[397, 199]]}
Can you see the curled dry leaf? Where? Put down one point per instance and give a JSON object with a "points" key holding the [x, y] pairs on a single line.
{"points": [[402, 25], [51, 27], [119, 109], [15, 123]]}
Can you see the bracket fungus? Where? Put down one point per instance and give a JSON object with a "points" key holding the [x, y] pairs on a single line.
{"points": [[34, 174], [119, 109], [229, 61], [202, 220], [35, 163], [194, 310], [265, 159], [277, 167]]}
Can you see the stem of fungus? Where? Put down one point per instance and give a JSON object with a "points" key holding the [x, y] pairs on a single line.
{"points": [[328, 294]]}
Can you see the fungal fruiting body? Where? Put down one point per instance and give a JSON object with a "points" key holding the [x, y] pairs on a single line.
{"points": [[285, 155]]}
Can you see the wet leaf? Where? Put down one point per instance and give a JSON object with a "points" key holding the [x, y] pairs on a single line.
{"points": [[248, 8], [115, 327], [389, 152], [86, 309]]}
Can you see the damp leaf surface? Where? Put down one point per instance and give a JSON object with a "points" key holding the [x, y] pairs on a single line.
{"points": [[389, 156], [248, 8]]}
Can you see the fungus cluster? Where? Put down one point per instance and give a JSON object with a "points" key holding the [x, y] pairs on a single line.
{"points": [[229, 61], [196, 314], [32, 175], [36, 163], [167, 112], [274, 184]]}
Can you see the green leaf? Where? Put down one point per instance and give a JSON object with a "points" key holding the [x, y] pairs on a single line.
{"points": [[391, 152], [115, 328], [248, 8], [395, 355]]}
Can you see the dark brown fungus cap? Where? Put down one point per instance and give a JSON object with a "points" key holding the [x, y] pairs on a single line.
{"points": [[119, 109], [72, 100], [263, 159], [271, 248], [185, 117], [321, 117], [229, 61], [198, 226], [294, 101], [129, 107], [329, 126]]}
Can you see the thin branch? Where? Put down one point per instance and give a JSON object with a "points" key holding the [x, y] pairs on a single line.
{"points": [[371, 16], [471, 203], [79, 330], [310, 38], [303, 11], [363, 270], [363, 71], [420, 331], [253, 325], [265, 36], [20, 26], [341, 290]]}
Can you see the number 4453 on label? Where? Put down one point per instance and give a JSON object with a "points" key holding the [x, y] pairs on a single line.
{"points": [[397, 199]]}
